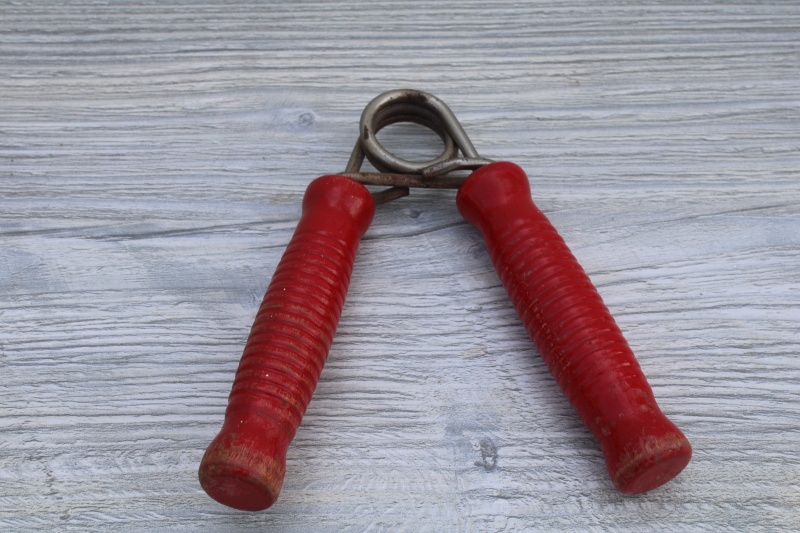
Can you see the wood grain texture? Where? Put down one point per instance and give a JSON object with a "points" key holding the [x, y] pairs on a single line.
{"points": [[152, 162]]}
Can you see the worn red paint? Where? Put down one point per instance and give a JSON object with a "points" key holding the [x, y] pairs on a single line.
{"points": [[245, 464], [288, 344], [573, 330]]}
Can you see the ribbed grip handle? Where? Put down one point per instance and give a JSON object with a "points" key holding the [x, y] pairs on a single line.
{"points": [[572, 328], [288, 344]]}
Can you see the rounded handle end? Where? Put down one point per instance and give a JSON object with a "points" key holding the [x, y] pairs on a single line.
{"points": [[244, 470], [648, 458]]}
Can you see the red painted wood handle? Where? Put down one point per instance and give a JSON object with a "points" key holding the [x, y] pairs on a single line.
{"points": [[244, 465], [573, 330]]}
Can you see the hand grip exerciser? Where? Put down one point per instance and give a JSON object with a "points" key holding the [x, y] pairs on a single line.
{"points": [[560, 308]]}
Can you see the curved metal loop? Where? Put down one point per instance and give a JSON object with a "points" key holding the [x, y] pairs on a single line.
{"points": [[385, 161], [408, 105]]}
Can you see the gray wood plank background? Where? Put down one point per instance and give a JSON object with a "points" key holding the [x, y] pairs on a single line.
{"points": [[152, 161]]}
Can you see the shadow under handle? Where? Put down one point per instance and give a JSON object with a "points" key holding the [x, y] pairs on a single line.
{"points": [[244, 465], [573, 330]]}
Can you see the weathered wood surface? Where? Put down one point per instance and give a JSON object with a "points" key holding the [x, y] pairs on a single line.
{"points": [[152, 162]]}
